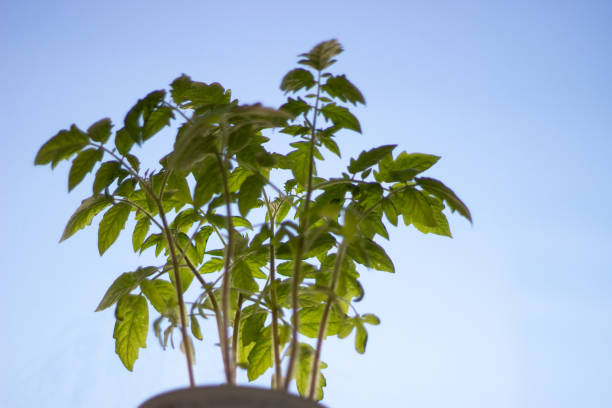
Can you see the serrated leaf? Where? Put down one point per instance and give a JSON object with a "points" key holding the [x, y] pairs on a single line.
{"points": [[162, 296], [370, 254], [61, 146], [260, 357], [243, 278], [131, 328], [111, 225], [441, 191], [296, 107], [123, 141], [186, 277], [331, 145], [341, 117], [404, 167], [123, 285], [297, 79], [85, 213], [140, 232], [369, 158], [212, 265], [252, 326], [303, 372], [100, 131], [192, 94], [82, 164], [415, 208], [343, 89], [320, 57], [106, 174], [249, 193], [310, 321]]}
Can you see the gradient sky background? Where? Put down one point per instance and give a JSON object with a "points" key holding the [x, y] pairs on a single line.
{"points": [[516, 96]]}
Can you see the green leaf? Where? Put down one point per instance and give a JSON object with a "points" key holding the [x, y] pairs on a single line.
{"points": [[111, 225], [100, 131], [192, 94], [389, 210], [243, 278], [438, 189], [195, 328], [140, 232], [369, 158], [81, 165], [341, 117], [249, 193], [123, 285], [212, 265], [415, 208], [186, 277], [131, 328], [162, 296], [404, 167], [61, 146], [320, 57], [370, 319], [106, 174], [253, 326], [304, 371], [123, 141], [156, 121], [361, 339], [85, 213], [343, 89], [296, 106], [370, 254], [310, 321], [260, 357], [297, 79]]}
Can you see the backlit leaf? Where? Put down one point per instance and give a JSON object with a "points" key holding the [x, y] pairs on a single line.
{"points": [[343, 89], [111, 225], [369, 158], [140, 232], [303, 372], [61, 146], [341, 117], [438, 189], [85, 213], [81, 165], [100, 131], [297, 79], [320, 57], [249, 193], [131, 328]]}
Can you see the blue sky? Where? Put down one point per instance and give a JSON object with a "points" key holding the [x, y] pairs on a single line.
{"points": [[515, 311]]}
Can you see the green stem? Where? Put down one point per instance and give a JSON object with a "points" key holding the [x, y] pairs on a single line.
{"points": [[179, 293], [314, 373], [235, 333], [274, 301], [225, 286], [300, 244]]}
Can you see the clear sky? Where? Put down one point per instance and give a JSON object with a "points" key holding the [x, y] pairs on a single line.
{"points": [[516, 96]]}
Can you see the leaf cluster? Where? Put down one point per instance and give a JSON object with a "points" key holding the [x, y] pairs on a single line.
{"points": [[276, 248]]}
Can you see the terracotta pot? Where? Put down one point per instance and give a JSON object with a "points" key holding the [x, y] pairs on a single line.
{"points": [[227, 396]]}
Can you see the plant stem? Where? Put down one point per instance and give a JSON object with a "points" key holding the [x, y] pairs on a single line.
{"points": [[179, 292], [235, 333], [300, 244], [314, 373], [274, 302], [225, 286]]}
